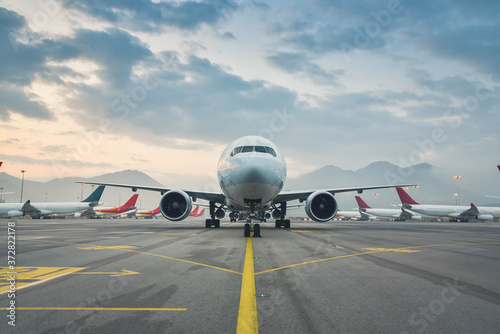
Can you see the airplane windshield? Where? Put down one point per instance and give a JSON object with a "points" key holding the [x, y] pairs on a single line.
{"points": [[258, 149]]}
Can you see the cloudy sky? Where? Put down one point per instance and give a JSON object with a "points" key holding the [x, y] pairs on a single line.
{"points": [[89, 87]]}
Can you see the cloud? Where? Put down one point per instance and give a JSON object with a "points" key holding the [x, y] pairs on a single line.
{"points": [[116, 51], [152, 16], [301, 65]]}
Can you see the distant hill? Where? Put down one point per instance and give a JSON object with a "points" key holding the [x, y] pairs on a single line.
{"points": [[435, 186], [66, 189]]}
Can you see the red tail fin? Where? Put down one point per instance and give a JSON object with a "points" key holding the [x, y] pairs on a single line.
{"points": [[195, 211], [498, 167], [361, 203], [405, 198], [131, 202]]}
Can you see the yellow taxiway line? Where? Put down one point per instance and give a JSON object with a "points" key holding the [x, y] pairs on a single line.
{"points": [[247, 313]]}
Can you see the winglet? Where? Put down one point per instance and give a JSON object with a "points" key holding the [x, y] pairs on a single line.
{"points": [[362, 204], [404, 197], [95, 196]]}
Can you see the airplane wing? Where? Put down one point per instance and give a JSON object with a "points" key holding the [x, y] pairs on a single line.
{"points": [[287, 196], [472, 211], [206, 195], [31, 210]]}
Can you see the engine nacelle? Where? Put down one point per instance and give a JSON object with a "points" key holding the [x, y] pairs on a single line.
{"points": [[321, 206], [175, 205], [220, 213], [485, 217], [277, 214], [416, 217], [14, 213]]}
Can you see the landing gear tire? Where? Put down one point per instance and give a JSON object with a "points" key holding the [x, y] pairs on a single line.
{"points": [[277, 224], [256, 231], [247, 230], [208, 223], [216, 223], [286, 223]]}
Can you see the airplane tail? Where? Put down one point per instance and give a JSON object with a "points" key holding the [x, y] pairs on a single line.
{"points": [[201, 213], [498, 167], [95, 196], [195, 211], [405, 198], [362, 204], [131, 202]]}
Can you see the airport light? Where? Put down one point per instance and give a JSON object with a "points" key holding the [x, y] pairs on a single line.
{"points": [[456, 199], [457, 177], [22, 185]]}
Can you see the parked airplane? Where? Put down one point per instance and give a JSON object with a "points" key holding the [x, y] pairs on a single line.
{"points": [[194, 212], [460, 212], [398, 214], [128, 207], [148, 213], [201, 213], [353, 214], [251, 173], [37, 210]]}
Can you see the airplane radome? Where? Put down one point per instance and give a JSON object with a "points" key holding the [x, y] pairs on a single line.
{"points": [[251, 173]]}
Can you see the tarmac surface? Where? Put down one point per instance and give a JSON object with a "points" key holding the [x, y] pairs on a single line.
{"points": [[156, 276]]}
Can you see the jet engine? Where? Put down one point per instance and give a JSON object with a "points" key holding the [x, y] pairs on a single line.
{"points": [[277, 214], [321, 206], [175, 205], [485, 217], [220, 213], [14, 213]]}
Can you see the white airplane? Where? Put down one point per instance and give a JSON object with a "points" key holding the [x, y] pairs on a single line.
{"points": [[398, 214], [251, 173], [460, 212], [354, 215], [37, 210]]}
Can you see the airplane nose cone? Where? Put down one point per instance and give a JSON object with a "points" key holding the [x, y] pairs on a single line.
{"points": [[254, 175]]}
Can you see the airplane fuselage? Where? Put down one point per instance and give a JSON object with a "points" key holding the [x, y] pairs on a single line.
{"points": [[251, 173]]}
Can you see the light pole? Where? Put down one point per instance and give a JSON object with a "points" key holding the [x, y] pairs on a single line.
{"points": [[1, 193], [46, 194], [457, 177], [119, 197], [22, 185]]}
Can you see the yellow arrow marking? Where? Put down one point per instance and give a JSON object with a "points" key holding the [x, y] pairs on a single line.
{"points": [[123, 273]]}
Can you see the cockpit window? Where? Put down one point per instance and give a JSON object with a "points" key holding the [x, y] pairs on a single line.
{"points": [[271, 151], [260, 149], [247, 149], [236, 150]]}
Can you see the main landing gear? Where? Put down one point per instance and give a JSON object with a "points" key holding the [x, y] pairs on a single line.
{"points": [[212, 222], [282, 223]]}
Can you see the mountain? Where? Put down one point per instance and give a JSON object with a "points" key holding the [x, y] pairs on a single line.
{"points": [[67, 190], [436, 186]]}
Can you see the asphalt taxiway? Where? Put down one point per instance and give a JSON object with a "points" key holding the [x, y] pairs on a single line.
{"points": [[156, 276]]}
